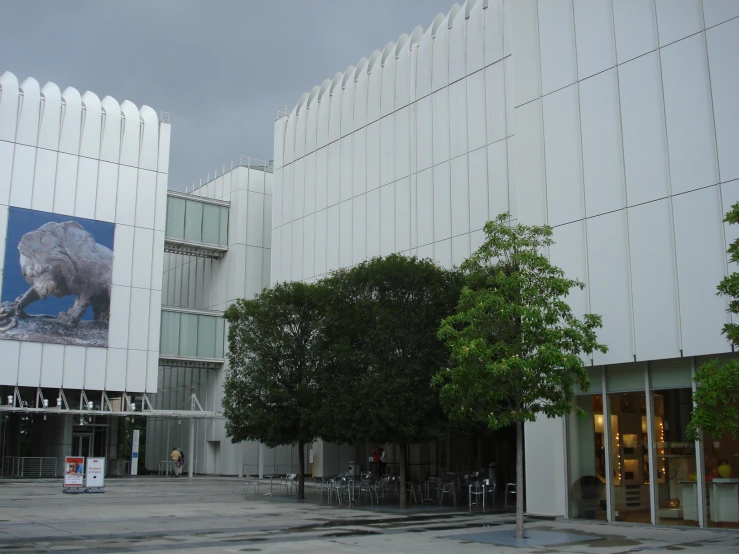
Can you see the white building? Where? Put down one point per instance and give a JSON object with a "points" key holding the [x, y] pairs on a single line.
{"points": [[615, 122]]}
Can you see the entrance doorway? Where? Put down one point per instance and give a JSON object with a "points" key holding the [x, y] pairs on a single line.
{"points": [[82, 445]]}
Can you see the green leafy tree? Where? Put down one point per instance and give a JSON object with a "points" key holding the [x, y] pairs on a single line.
{"points": [[716, 399], [270, 393], [516, 347], [382, 351]]}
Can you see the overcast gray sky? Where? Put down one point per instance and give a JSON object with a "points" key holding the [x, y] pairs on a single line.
{"points": [[220, 67]]}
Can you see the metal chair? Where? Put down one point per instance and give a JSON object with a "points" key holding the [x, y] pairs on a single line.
{"points": [[475, 488], [448, 487], [488, 488], [253, 483], [510, 488]]}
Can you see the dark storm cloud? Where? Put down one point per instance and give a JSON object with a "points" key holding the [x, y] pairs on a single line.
{"points": [[221, 68]]}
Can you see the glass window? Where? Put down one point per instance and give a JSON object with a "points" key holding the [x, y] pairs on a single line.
{"points": [[211, 224], [170, 334], [224, 227], [175, 217], [188, 335], [626, 377], [194, 221], [220, 325], [671, 374], [206, 336]]}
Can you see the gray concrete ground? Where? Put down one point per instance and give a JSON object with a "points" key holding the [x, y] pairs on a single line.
{"points": [[212, 515]]}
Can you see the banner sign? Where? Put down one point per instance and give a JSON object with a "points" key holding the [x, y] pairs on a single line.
{"points": [[95, 472], [135, 453], [74, 471]]}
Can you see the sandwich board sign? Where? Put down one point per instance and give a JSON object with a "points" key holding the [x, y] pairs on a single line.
{"points": [[95, 473], [74, 472]]}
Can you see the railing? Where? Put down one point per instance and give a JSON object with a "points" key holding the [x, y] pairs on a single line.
{"points": [[167, 466], [273, 469], [17, 466]]}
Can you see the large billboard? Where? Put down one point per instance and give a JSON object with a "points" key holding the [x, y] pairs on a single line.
{"points": [[56, 279]]}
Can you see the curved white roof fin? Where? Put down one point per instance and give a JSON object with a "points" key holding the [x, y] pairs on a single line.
{"points": [[453, 14], [373, 60], [438, 20], [361, 66]]}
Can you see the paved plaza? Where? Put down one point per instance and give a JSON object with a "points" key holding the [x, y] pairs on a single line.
{"points": [[211, 515]]}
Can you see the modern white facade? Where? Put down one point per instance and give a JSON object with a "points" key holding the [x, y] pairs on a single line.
{"points": [[617, 123]]}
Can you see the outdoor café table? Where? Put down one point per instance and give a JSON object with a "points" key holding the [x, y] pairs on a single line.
{"points": [[272, 476]]}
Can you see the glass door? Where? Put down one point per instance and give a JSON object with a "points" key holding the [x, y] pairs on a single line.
{"points": [[82, 445]]}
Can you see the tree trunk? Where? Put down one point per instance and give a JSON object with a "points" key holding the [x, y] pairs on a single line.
{"points": [[402, 460], [301, 473], [519, 480]]}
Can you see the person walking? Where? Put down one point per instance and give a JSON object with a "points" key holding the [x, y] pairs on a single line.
{"points": [[383, 461], [177, 459]]}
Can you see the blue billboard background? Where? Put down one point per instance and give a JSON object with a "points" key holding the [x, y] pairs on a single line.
{"points": [[22, 221]]}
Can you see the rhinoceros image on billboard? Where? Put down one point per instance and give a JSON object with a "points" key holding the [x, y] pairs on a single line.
{"points": [[57, 279]]}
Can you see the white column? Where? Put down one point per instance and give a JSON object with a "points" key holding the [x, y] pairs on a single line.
{"points": [[653, 496], [192, 448], [607, 445]]}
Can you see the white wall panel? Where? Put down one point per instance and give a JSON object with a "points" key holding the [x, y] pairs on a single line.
{"points": [[66, 182], [28, 113], [440, 105], [718, 11], [358, 178], [642, 120], [289, 151], [457, 46], [131, 134], [309, 246], [374, 89], [115, 370], [107, 187], [636, 29], [94, 366], [119, 314], [460, 196], [475, 40], [288, 179], [359, 228], [525, 43], [442, 201], [345, 233], [443, 253], [723, 51], [8, 106], [424, 133], [321, 242], [143, 240], [603, 172], [255, 219], [529, 155], [298, 189], [557, 45], [296, 265], [10, 354], [373, 223], [29, 364], [460, 249], [6, 169], [402, 215], [425, 207], [334, 173], [424, 64], [122, 260], [690, 133], [136, 370], [287, 252], [87, 180], [654, 282], [277, 200], [676, 22], [21, 189], [403, 76], [300, 129], [402, 143], [74, 367], [440, 57], [92, 119], [360, 99], [387, 220], [562, 152], [498, 184], [596, 50], [253, 271], [321, 178], [387, 96], [701, 264], [51, 115], [478, 190], [458, 118], [494, 31], [324, 106], [157, 262], [165, 131], [126, 194], [69, 136], [426, 252], [476, 124], [52, 365], [3, 238], [346, 171], [311, 125], [610, 294], [334, 118], [569, 254], [310, 183], [509, 95], [373, 156], [387, 149], [332, 238], [43, 180], [152, 371]]}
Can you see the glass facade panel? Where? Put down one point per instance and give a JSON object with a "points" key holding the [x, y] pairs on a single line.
{"points": [[211, 224], [220, 326], [188, 335], [223, 239], [671, 374], [175, 218], [626, 377], [194, 221], [677, 491], [206, 336], [170, 335]]}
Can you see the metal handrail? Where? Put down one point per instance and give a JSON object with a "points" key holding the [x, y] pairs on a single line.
{"points": [[30, 466]]}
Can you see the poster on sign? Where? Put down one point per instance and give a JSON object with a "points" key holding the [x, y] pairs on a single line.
{"points": [[74, 472], [95, 473], [135, 452]]}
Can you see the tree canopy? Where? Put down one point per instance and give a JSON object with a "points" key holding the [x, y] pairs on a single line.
{"points": [[270, 392], [516, 347], [716, 398]]}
